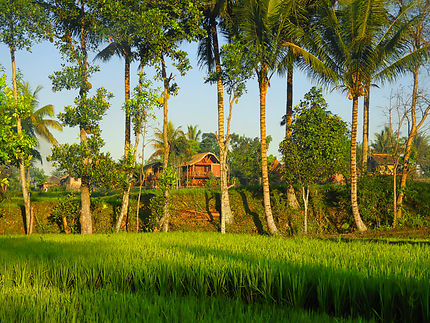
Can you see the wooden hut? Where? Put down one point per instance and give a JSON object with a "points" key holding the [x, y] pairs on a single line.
{"points": [[198, 170], [71, 184], [151, 172], [382, 164], [51, 181]]}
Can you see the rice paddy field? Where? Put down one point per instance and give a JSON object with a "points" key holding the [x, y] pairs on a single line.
{"points": [[190, 277]]}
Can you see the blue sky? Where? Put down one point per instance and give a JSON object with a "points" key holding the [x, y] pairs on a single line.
{"points": [[195, 103]]}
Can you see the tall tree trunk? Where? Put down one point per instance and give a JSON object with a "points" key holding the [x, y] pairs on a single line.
{"points": [[166, 81], [141, 177], [354, 203], [126, 192], [263, 84], [291, 195], [365, 128], [226, 214], [85, 218], [22, 177], [409, 142], [305, 196]]}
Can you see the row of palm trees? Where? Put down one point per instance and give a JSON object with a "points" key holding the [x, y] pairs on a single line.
{"points": [[349, 45]]}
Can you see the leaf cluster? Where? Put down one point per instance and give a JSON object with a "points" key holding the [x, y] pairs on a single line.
{"points": [[86, 160], [316, 148]]}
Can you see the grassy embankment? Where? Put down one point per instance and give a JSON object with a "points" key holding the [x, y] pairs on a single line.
{"points": [[193, 276]]}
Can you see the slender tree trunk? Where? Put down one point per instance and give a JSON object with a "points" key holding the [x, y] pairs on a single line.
{"points": [[166, 81], [85, 218], [141, 177], [395, 196], [291, 195], [365, 128], [126, 192], [356, 214], [226, 214], [289, 107], [263, 84], [305, 196], [22, 177], [408, 149]]}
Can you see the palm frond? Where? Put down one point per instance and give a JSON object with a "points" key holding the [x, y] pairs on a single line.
{"points": [[114, 48]]}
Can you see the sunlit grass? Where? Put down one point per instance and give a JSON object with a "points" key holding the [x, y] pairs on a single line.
{"points": [[358, 279]]}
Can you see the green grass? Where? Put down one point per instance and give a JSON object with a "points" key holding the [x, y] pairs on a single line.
{"points": [[53, 305], [377, 281]]}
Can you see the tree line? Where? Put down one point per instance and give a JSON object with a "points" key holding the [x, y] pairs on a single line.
{"points": [[347, 45]]}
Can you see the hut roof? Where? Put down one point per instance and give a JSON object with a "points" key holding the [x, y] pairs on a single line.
{"points": [[383, 159], [53, 180], [153, 164], [198, 157]]}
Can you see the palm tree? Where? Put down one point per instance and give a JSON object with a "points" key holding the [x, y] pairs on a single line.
{"points": [[177, 144], [216, 13], [122, 48], [262, 27], [386, 47], [35, 124], [193, 133], [340, 41], [384, 141]]}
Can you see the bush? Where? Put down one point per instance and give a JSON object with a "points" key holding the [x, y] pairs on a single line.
{"points": [[66, 214]]}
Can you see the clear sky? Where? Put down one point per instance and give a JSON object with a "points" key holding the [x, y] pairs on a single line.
{"points": [[195, 104]]}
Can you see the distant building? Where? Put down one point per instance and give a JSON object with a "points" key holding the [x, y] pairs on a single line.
{"points": [[382, 164], [198, 170], [66, 181], [71, 184], [151, 173], [51, 181]]}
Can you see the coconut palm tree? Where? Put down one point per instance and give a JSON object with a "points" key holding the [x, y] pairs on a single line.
{"points": [[217, 13], [384, 141], [122, 48], [193, 133], [177, 145], [348, 39], [36, 124], [262, 26]]}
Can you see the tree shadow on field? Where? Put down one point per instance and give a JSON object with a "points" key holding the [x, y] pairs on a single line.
{"points": [[208, 199], [255, 216]]}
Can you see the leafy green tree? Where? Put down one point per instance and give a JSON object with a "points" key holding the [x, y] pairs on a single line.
{"points": [[315, 149], [244, 159], [143, 100], [22, 22], [13, 147], [169, 23], [75, 26], [37, 177], [209, 143], [123, 24]]}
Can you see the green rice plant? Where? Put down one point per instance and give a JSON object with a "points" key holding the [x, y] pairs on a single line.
{"points": [[344, 279]]}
